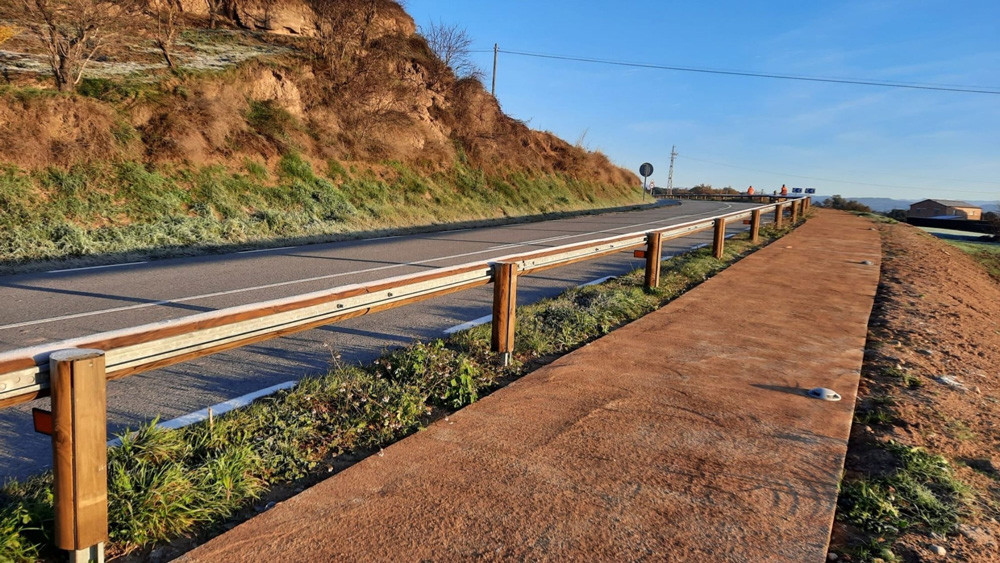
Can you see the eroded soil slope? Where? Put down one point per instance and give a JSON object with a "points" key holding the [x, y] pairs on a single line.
{"points": [[931, 381]]}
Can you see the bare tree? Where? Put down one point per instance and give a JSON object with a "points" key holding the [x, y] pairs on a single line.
{"points": [[165, 15], [453, 46], [73, 31], [215, 10]]}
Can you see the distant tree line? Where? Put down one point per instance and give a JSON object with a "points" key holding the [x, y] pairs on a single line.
{"points": [[844, 204]]}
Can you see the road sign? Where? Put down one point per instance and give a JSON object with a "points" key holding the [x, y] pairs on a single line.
{"points": [[646, 170], [810, 190], [796, 190]]}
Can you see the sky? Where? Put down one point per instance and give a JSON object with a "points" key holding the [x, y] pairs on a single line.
{"points": [[738, 131]]}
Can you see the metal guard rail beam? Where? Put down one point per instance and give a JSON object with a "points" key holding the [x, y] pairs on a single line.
{"points": [[24, 373]]}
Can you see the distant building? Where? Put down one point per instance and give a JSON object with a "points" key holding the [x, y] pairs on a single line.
{"points": [[945, 209]]}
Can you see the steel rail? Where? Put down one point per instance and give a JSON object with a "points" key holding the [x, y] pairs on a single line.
{"points": [[24, 373]]}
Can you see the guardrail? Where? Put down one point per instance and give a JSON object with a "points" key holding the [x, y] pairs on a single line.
{"points": [[74, 372], [753, 198]]}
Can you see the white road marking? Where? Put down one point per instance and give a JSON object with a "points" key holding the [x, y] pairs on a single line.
{"points": [[468, 325], [265, 250], [221, 408], [96, 267], [332, 276], [597, 281]]}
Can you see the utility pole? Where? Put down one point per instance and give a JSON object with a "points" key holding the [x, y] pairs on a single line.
{"points": [[493, 87], [670, 173]]}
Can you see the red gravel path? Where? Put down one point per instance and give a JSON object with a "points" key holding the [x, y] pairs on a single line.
{"points": [[686, 435]]}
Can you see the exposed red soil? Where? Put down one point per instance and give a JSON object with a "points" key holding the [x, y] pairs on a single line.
{"points": [[937, 314]]}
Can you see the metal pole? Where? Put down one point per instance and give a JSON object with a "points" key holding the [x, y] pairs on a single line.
{"points": [[643, 188], [493, 86]]}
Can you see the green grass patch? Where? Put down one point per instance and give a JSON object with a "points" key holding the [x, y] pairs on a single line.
{"points": [[987, 254], [131, 209], [919, 493], [168, 483]]}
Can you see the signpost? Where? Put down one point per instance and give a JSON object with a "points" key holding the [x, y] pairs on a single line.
{"points": [[646, 170]]}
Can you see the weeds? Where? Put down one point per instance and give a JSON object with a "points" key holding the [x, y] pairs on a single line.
{"points": [[921, 492]]}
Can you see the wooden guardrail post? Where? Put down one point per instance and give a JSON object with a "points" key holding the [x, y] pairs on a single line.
{"points": [[654, 253], [755, 226], [79, 452], [504, 306], [719, 242], [779, 216], [795, 210]]}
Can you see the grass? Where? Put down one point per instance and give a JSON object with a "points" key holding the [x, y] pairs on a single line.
{"points": [[168, 483], [986, 254], [127, 208], [920, 492]]}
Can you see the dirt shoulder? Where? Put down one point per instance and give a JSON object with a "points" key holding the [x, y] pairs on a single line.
{"points": [[685, 435], [930, 381]]}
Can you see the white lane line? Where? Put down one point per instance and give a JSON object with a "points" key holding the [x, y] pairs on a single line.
{"points": [[468, 325], [265, 250], [329, 276], [96, 267], [597, 281], [221, 408]]}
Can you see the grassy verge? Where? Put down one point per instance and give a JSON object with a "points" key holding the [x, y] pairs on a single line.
{"points": [[191, 481], [986, 253], [130, 209]]}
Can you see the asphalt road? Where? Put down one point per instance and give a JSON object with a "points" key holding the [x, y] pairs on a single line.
{"points": [[44, 307]]}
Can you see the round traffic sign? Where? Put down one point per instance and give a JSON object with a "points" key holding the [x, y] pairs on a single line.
{"points": [[646, 169]]}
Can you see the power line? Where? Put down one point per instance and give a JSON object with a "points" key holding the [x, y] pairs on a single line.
{"points": [[869, 184], [854, 81]]}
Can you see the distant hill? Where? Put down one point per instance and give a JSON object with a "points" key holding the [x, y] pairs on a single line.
{"points": [[884, 204]]}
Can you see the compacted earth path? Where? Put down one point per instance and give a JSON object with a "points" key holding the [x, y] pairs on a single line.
{"points": [[687, 435]]}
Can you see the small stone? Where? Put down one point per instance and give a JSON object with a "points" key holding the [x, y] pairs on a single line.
{"points": [[976, 390], [950, 382], [925, 352], [936, 536], [832, 556], [938, 550], [867, 262]]}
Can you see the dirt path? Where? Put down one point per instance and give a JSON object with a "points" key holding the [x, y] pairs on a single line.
{"points": [[685, 435]]}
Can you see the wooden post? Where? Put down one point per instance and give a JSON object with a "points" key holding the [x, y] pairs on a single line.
{"points": [[718, 245], [778, 216], [79, 452], [654, 246], [808, 202], [755, 226], [504, 305], [795, 210]]}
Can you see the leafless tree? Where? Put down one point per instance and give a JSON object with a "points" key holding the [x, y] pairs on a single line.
{"points": [[215, 10], [73, 31], [453, 46], [165, 15]]}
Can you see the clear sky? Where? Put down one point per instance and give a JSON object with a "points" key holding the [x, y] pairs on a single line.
{"points": [[858, 141]]}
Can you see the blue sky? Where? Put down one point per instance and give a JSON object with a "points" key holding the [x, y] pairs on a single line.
{"points": [[858, 141]]}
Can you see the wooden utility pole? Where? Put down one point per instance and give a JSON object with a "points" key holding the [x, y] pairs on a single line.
{"points": [[493, 86]]}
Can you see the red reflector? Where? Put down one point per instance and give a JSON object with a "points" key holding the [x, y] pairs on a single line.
{"points": [[639, 254], [43, 421]]}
